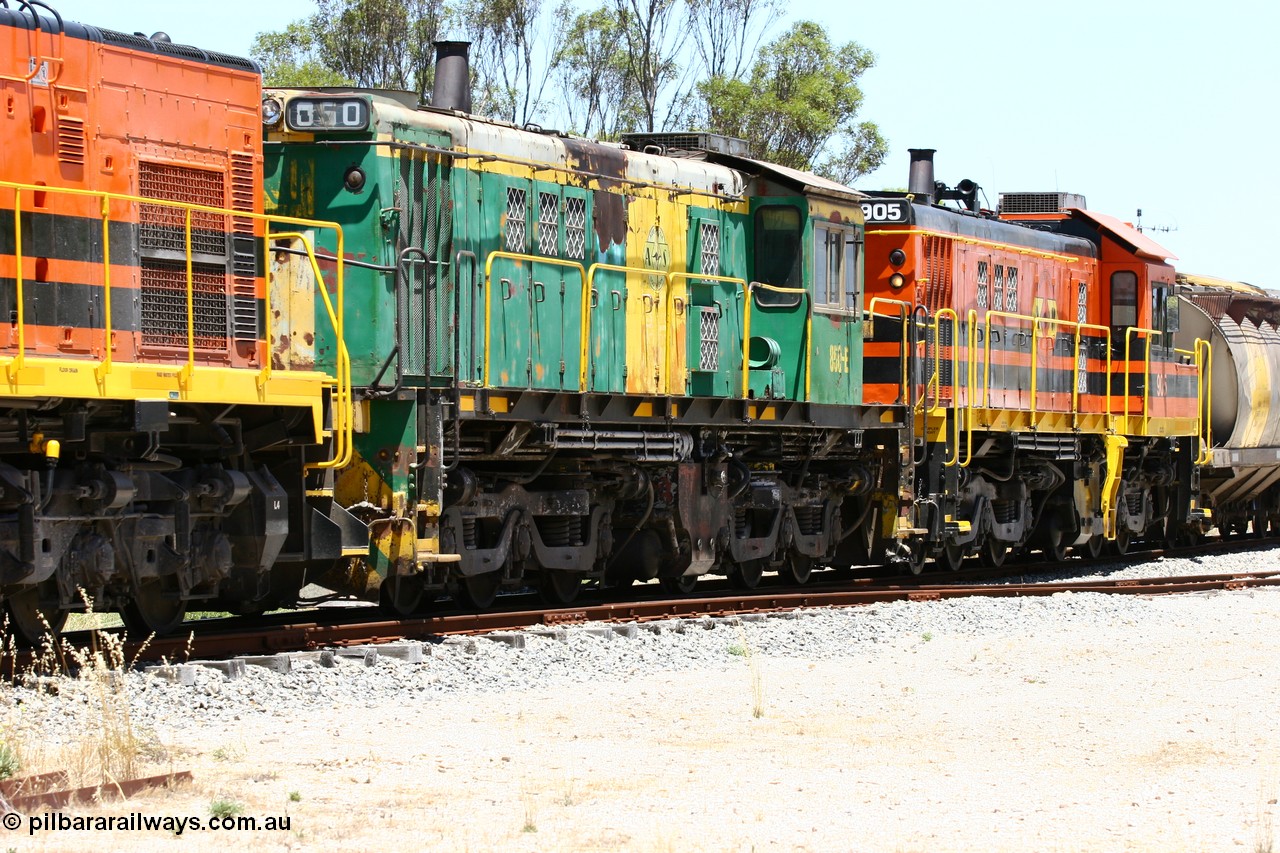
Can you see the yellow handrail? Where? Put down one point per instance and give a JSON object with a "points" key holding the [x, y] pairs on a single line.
{"points": [[746, 333], [1075, 365], [669, 303], [343, 417], [904, 310], [15, 364], [970, 241], [1146, 371], [104, 367], [585, 337], [590, 288], [1075, 389], [1204, 399], [972, 318], [954, 458]]}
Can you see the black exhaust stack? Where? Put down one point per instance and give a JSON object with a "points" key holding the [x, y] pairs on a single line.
{"points": [[452, 87], [920, 183]]}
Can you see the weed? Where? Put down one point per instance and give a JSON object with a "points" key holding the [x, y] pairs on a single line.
{"points": [[225, 808], [926, 636], [10, 764], [566, 796], [737, 650], [295, 797], [221, 754]]}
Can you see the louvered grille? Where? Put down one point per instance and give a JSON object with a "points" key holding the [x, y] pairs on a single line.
{"points": [[164, 305], [710, 241], [983, 274], [709, 339], [1011, 289], [937, 270], [575, 227], [244, 267], [71, 140], [517, 213], [548, 223], [162, 227]]}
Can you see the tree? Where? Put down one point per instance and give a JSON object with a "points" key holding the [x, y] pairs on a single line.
{"points": [[290, 58], [653, 36], [510, 67], [368, 43], [727, 32], [598, 96], [799, 104]]}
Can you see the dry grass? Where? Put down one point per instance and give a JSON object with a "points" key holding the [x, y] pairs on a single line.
{"points": [[109, 748]]}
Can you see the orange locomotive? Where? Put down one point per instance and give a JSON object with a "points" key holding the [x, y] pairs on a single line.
{"points": [[1052, 407], [151, 453]]}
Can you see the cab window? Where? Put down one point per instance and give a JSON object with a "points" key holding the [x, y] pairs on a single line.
{"points": [[778, 253], [1124, 298]]}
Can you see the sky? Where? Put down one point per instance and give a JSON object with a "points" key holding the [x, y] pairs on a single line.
{"points": [[1168, 107]]}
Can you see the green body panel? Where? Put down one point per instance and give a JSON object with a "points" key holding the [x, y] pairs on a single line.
{"points": [[716, 308], [609, 321]]}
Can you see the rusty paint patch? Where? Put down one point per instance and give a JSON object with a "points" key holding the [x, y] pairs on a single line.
{"points": [[610, 219], [604, 162], [309, 338]]}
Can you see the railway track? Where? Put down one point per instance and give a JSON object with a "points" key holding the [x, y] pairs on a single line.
{"points": [[339, 627]]}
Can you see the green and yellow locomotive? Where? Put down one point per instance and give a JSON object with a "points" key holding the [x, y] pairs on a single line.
{"points": [[577, 360]]}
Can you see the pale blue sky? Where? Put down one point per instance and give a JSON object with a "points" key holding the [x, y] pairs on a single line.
{"points": [[1165, 106]]}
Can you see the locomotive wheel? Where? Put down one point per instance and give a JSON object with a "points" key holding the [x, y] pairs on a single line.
{"points": [[798, 569], [682, 585], [558, 587], [747, 575], [31, 619], [951, 558], [477, 592], [1096, 545], [1056, 547], [402, 594], [155, 608], [1124, 538], [994, 553]]}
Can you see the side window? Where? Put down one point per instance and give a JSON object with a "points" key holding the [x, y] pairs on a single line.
{"points": [[778, 243], [983, 273], [517, 216], [1124, 298], [835, 267]]}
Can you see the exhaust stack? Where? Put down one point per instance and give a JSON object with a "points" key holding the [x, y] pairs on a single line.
{"points": [[452, 87], [920, 183]]}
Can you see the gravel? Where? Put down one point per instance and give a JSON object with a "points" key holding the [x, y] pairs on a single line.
{"points": [[581, 655]]}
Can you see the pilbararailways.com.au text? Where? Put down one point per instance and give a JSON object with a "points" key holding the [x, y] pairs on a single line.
{"points": [[139, 822]]}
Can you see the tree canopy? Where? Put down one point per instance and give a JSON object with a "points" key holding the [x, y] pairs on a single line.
{"points": [[625, 65]]}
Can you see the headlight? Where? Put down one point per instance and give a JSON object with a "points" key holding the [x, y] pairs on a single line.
{"points": [[897, 258], [896, 281], [271, 112]]}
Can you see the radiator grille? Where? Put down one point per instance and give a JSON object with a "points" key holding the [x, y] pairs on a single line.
{"points": [[1012, 204], [164, 305], [162, 227]]}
